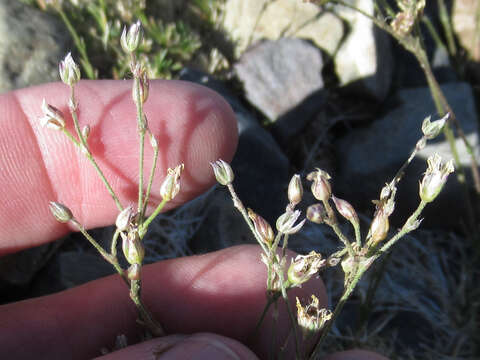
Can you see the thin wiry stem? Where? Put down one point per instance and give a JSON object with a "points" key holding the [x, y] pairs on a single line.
{"points": [[150, 180], [90, 157]]}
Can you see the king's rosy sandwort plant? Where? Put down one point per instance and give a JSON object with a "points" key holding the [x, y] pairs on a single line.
{"points": [[355, 256]]}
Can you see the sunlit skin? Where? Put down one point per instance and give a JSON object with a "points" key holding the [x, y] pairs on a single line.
{"points": [[213, 300]]}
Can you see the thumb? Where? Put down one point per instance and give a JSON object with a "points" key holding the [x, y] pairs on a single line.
{"points": [[177, 347]]}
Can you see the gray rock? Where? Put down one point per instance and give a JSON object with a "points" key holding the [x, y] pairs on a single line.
{"points": [[364, 61], [283, 80], [369, 157], [31, 45], [248, 21]]}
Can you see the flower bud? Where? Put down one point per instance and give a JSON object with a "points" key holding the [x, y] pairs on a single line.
{"points": [[379, 227], [86, 132], [262, 227], [316, 213], [69, 70], [312, 318], [153, 141], [434, 178], [295, 190], [223, 172], [52, 117], [124, 218], [431, 129], [304, 267], [60, 212], [171, 185], [285, 222], [130, 40], [321, 188], [142, 90], [132, 247], [346, 210]]}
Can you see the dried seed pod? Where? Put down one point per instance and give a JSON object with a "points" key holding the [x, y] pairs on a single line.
{"points": [[223, 172], [321, 187], [295, 190], [171, 185], [69, 70], [60, 212], [262, 227]]}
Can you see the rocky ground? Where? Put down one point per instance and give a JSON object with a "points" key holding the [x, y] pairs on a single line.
{"points": [[310, 88]]}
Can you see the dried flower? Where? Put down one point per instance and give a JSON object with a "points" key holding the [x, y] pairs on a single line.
{"points": [[223, 172], [131, 39], [295, 190], [69, 70], [321, 188], [431, 129], [171, 185], [435, 177], [285, 222], [124, 218], [262, 227], [132, 247], [379, 227], [304, 267], [346, 210], [153, 141], [85, 132], [411, 10], [312, 318], [52, 117], [142, 90], [60, 212]]}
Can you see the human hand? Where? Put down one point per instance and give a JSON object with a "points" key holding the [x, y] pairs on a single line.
{"points": [[216, 297]]}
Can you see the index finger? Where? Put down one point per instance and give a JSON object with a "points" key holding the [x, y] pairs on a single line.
{"points": [[192, 124]]}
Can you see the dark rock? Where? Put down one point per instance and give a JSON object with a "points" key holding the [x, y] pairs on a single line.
{"points": [[369, 157], [261, 177]]}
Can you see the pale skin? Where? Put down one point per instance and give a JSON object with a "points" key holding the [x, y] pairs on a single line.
{"points": [[211, 302]]}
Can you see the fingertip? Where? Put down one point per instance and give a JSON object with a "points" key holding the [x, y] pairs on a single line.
{"points": [[197, 346], [193, 125]]}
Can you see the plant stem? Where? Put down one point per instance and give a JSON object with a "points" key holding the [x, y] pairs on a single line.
{"points": [[79, 43], [293, 319], [333, 223], [346, 294], [239, 205], [143, 228], [447, 27], [141, 128], [145, 316], [113, 245], [108, 257], [150, 180], [81, 143], [361, 269]]}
